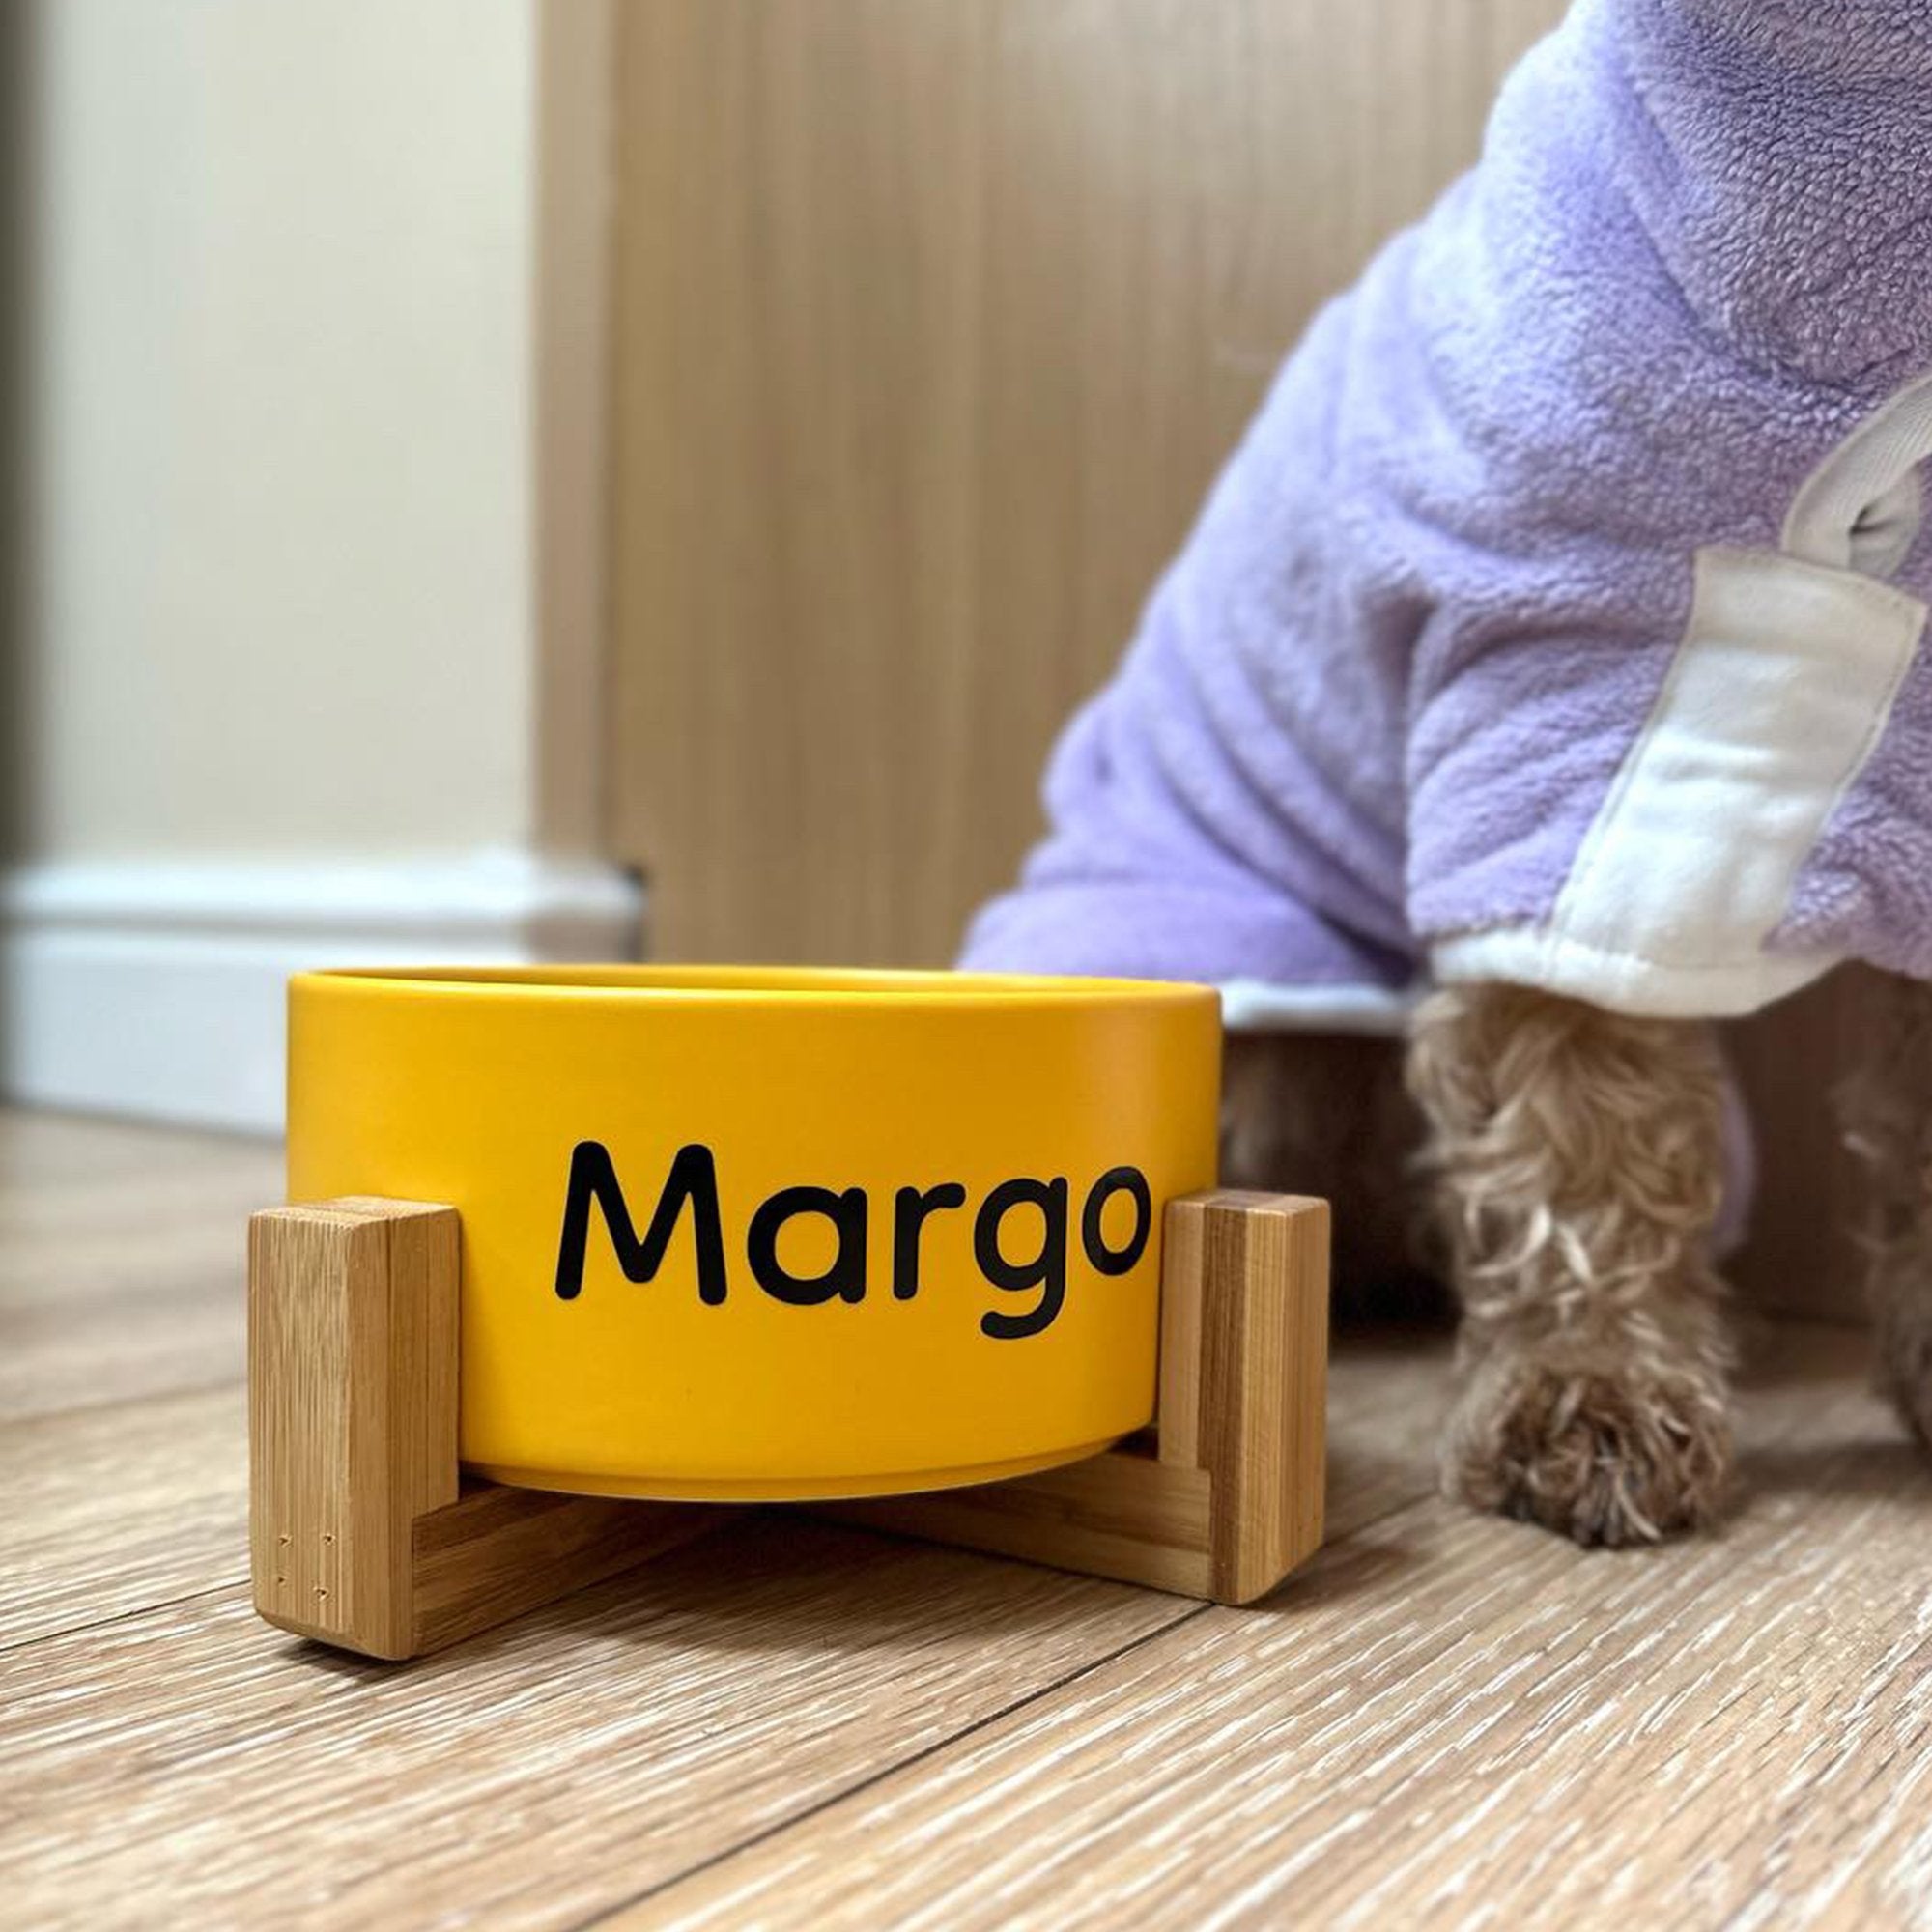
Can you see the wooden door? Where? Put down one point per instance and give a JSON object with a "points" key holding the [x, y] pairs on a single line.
{"points": [[935, 318]]}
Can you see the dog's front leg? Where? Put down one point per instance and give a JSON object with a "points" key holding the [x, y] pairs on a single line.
{"points": [[1579, 1165]]}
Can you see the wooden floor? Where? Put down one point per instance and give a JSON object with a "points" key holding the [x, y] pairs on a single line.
{"points": [[1444, 1720]]}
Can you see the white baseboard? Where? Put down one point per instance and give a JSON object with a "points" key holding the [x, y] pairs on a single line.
{"points": [[158, 990]]}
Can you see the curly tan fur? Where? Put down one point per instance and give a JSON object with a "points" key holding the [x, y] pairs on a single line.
{"points": [[1578, 1164], [1888, 1123]]}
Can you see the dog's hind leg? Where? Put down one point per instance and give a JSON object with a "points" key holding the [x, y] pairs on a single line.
{"points": [[1579, 1165], [1886, 1108]]}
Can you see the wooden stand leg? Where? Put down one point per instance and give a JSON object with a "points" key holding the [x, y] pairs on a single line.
{"points": [[362, 1534], [1227, 1498]]}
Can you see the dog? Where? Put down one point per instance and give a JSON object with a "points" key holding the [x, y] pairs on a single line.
{"points": [[1545, 679]]}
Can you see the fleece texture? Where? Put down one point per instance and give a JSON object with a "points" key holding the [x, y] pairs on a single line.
{"points": [[1426, 623]]}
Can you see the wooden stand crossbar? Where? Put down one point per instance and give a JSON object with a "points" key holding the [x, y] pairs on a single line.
{"points": [[365, 1534], [1223, 1497]]}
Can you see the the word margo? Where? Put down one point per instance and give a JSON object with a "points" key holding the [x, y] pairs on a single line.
{"points": [[692, 1184]]}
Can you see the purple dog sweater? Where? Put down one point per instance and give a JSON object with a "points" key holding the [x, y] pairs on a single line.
{"points": [[1558, 619]]}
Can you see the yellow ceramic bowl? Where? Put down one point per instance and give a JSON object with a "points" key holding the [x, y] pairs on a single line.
{"points": [[741, 1233]]}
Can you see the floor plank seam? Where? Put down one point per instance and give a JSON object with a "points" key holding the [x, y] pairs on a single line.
{"points": [[15, 1646], [792, 1822], [1416, 1506]]}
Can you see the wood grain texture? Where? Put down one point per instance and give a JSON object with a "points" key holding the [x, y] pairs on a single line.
{"points": [[498, 1552], [359, 1539], [1230, 1501], [1385, 1397], [1263, 1409], [186, 1764], [1445, 1719], [1176, 1441], [122, 1261], [1118, 1514], [361, 1532], [351, 1411], [934, 320], [1460, 1720], [119, 1507]]}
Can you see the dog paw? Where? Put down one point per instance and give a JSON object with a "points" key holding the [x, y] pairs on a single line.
{"points": [[1604, 1457]]}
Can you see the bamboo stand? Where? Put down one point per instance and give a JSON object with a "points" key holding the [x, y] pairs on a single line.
{"points": [[365, 1534]]}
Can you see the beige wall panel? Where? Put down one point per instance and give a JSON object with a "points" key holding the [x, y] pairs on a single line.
{"points": [[278, 347]]}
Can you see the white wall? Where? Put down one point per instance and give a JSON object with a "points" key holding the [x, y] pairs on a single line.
{"points": [[283, 671], [282, 355]]}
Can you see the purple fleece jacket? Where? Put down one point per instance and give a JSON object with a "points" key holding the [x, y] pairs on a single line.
{"points": [[1536, 630]]}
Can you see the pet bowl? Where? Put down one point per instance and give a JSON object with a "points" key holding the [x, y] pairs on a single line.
{"points": [[750, 1235]]}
